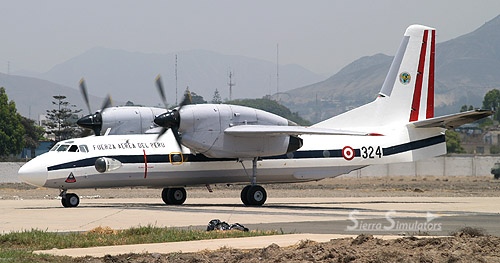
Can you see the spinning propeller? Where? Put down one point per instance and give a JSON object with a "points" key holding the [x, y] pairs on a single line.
{"points": [[92, 121], [172, 118]]}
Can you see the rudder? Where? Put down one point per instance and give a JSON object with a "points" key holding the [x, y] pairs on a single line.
{"points": [[407, 94]]}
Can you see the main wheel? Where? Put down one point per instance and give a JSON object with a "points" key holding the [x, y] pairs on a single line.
{"points": [[243, 195], [164, 196], [175, 196], [256, 195], [70, 200]]}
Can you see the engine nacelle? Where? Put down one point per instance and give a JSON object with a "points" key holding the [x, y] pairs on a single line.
{"points": [[202, 127], [129, 120]]}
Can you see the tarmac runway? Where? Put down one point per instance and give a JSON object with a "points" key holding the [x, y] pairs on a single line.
{"points": [[349, 216]]}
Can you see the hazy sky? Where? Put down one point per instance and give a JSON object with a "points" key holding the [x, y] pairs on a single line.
{"points": [[322, 36]]}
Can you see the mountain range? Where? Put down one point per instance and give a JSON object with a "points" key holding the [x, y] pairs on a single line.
{"points": [[466, 68], [130, 75], [34, 96]]}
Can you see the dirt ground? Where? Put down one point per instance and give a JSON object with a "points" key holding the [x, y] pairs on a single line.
{"points": [[365, 248], [452, 186]]}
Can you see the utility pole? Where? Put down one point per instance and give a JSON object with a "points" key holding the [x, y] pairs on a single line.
{"points": [[278, 71], [231, 84], [176, 79]]}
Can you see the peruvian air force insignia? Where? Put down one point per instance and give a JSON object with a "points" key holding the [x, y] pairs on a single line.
{"points": [[71, 178], [405, 78]]}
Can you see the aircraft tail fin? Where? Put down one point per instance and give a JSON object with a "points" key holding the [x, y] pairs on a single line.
{"points": [[407, 94]]}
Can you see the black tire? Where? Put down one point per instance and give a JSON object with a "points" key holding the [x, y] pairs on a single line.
{"points": [[243, 195], [164, 196], [176, 196], [70, 200], [496, 176], [256, 195]]}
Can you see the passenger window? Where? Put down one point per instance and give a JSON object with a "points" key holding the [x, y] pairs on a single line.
{"points": [[62, 148], [83, 148], [73, 148]]}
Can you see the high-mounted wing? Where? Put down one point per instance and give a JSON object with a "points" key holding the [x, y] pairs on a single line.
{"points": [[256, 130], [453, 120]]}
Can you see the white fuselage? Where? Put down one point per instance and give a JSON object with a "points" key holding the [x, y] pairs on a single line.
{"points": [[148, 161]]}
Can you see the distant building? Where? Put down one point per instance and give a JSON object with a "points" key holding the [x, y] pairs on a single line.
{"points": [[42, 148]]}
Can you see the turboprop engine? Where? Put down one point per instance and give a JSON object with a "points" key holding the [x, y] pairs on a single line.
{"points": [[122, 120], [201, 128]]}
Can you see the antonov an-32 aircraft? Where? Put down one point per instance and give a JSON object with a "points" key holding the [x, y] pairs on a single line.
{"points": [[225, 144]]}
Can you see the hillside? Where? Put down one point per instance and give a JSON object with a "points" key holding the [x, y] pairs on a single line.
{"points": [[35, 95], [130, 75], [466, 68]]}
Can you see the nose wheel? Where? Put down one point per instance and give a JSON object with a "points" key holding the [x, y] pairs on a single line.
{"points": [[173, 196], [69, 199]]}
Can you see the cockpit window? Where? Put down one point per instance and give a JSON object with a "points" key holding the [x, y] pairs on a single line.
{"points": [[63, 148], [84, 148], [54, 147], [73, 148]]}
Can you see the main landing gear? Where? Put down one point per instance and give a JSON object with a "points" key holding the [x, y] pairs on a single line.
{"points": [[69, 199], [253, 194], [173, 196]]}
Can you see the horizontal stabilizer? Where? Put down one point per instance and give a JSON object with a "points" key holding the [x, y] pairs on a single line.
{"points": [[453, 120], [259, 130]]}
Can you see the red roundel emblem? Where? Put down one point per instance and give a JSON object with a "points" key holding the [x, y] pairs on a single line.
{"points": [[348, 153]]}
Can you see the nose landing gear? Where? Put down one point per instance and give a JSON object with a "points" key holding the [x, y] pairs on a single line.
{"points": [[69, 199]]}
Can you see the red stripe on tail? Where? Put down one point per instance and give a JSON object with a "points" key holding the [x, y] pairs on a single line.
{"points": [[430, 95], [415, 106]]}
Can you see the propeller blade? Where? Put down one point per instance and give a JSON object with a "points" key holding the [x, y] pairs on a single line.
{"points": [[83, 89], [159, 86], [163, 131], [175, 131], [107, 103]]}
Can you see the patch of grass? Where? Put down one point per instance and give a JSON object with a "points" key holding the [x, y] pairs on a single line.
{"points": [[39, 240], [23, 255]]}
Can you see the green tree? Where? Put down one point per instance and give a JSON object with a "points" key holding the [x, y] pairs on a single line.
{"points": [[492, 102], [62, 120], [216, 99], [453, 142], [33, 134], [197, 99], [466, 108], [11, 129]]}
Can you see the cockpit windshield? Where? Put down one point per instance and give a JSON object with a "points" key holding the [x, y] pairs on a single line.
{"points": [[70, 148], [54, 147], [63, 148]]}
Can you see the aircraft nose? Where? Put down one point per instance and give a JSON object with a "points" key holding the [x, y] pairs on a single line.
{"points": [[33, 173]]}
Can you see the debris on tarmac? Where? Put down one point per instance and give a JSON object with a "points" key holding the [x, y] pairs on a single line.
{"points": [[216, 224]]}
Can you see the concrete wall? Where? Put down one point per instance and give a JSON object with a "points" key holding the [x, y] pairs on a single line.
{"points": [[438, 166], [8, 172]]}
